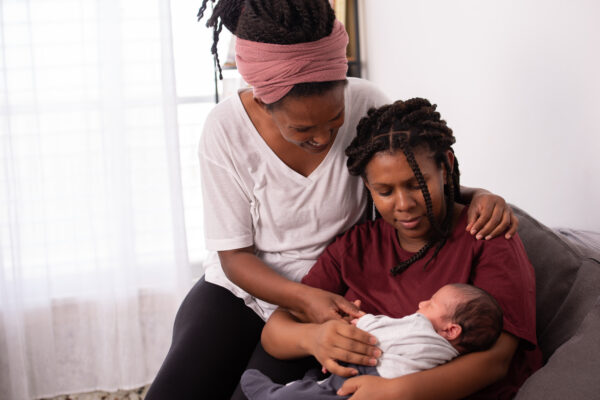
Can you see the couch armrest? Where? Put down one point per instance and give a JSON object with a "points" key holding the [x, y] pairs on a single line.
{"points": [[573, 371]]}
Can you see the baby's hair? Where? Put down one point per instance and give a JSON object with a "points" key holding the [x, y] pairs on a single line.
{"points": [[480, 318], [276, 22], [404, 126]]}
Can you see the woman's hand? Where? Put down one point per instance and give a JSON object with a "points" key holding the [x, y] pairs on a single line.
{"points": [[490, 216], [456, 379], [320, 305], [338, 340], [368, 387]]}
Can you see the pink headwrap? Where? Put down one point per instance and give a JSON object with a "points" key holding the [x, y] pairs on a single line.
{"points": [[273, 69]]}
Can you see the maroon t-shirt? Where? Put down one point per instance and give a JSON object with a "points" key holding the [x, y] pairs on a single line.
{"points": [[357, 265]]}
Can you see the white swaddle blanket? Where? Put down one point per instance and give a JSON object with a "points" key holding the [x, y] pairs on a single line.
{"points": [[409, 344]]}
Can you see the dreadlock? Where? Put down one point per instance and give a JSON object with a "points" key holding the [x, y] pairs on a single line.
{"points": [[276, 22], [405, 125]]}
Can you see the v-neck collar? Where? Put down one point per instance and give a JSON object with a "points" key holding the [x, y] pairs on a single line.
{"points": [[274, 158]]}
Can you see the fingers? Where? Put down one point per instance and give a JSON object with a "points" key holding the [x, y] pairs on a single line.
{"points": [[321, 306], [355, 346], [477, 217], [490, 218], [331, 311], [514, 225], [340, 341], [352, 385], [497, 224], [369, 387], [349, 308], [354, 319], [348, 387], [357, 335], [357, 303], [356, 356], [340, 309], [337, 369]]}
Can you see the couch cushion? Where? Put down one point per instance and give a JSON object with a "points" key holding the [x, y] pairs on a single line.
{"points": [[573, 371], [567, 278], [587, 242]]}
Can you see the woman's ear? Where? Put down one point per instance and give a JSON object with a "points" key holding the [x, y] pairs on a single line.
{"points": [[450, 157], [260, 103], [365, 182]]}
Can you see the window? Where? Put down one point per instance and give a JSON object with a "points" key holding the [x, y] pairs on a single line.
{"points": [[195, 83], [85, 116]]}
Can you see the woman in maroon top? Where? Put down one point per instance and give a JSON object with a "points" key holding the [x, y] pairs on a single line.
{"points": [[403, 153]]}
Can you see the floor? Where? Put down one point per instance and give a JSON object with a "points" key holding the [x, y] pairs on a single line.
{"points": [[136, 394]]}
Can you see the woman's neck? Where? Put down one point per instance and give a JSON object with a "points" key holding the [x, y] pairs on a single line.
{"points": [[413, 245]]}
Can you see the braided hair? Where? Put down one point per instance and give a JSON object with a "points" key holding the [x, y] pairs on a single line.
{"points": [[275, 22], [405, 125]]}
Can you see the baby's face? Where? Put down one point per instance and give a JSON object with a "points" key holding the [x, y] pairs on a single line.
{"points": [[440, 307]]}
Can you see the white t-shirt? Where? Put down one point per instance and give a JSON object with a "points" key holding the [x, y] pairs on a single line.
{"points": [[409, 344], [252, 198]]}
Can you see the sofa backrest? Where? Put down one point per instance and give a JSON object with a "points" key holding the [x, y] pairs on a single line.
{"points": [[567, 267]]}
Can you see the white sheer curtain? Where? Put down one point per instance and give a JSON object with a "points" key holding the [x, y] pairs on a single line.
{"points": [[93, 258]]}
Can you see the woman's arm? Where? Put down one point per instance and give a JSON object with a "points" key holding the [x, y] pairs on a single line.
{"points": [[250, 273], [489, 215], [458, 378], [285, 337]]}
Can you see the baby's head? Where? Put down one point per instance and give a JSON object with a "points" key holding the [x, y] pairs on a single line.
{"points": [[468, 317]]}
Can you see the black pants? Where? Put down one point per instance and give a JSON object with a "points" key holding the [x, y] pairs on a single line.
{"points": [[215, 338]]}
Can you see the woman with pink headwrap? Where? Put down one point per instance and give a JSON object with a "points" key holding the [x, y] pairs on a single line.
{"points": [[276, 192]]}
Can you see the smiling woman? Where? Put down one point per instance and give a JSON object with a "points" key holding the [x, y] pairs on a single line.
{"points": [[310, 123], [300, 130]]}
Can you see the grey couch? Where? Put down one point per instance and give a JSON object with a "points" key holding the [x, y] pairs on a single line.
{"points": [[567, 266]]}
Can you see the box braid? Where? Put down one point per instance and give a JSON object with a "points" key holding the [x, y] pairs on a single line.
{"points": [[276, 22], [405, 125]]}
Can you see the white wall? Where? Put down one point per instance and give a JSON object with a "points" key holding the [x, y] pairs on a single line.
{"points": [[519, 83]]}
